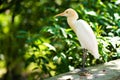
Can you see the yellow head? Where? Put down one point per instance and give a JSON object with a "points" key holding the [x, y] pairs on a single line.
{"points": [[69, 13]]}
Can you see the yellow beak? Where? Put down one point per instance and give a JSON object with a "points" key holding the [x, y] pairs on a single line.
{"points": [[61, 14]]}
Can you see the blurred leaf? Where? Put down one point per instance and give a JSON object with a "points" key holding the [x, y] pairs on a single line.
{"points": [[50, 46]]}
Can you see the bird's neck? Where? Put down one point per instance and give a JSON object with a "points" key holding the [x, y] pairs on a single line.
{"points": [[71, 22]]}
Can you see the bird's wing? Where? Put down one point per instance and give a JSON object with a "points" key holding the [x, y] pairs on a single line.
{"points": [[86, 37]]}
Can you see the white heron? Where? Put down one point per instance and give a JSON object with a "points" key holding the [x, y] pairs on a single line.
{"points": [[84, 33]]}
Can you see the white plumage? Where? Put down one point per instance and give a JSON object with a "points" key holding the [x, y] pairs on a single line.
{"points": [[86, 37], [83, 31]]}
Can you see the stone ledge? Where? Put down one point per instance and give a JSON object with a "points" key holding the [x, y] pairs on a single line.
{"points": [[107, 71]]}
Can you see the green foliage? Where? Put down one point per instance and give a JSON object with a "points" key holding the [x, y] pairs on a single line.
{"points": [[33, 40]]}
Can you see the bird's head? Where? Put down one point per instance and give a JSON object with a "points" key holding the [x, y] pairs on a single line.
{"points": [[69, 13]]}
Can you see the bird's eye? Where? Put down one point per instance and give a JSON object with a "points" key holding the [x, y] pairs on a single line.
{"points": [[66, 11]]}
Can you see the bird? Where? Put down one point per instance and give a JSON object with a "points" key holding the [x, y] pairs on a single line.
{"points": [[84, 33]]}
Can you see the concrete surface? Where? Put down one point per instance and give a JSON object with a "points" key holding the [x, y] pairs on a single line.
{"points": [[107, 71]]}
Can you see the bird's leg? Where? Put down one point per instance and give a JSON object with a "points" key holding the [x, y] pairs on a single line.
{"points": [[84, 59], [83, 71]]}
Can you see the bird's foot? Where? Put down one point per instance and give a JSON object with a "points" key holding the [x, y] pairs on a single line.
{"points": [[84, 72]]}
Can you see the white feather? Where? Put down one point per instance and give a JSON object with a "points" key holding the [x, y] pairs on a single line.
{"points": [[83, 31], [86, 37]]}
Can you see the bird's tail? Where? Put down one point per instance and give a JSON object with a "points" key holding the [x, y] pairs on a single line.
{"points": [[97, 55]]}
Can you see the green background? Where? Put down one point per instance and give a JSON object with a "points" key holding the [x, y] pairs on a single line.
{"points": [[36, 45]]}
